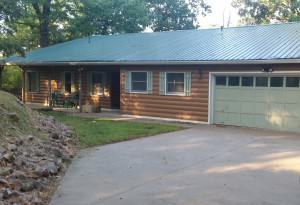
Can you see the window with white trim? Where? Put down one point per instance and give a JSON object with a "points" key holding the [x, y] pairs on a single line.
{"points": [[33, 81], [175, 83], [139, 82]]}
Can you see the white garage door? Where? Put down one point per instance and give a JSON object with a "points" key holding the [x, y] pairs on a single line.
{"points": [[257, 101]]}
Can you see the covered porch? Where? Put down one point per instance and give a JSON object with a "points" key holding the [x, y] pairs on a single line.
{"points": [[77, 88]]}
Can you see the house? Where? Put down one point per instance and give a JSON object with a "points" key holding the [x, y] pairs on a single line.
{"points": [[243, 76]]}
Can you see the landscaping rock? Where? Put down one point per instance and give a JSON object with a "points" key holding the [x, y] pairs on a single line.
{"points": [[9, 157], [29, 186], [8, 193], [3, 183], [12, 147], [48, 169], [30, 137], [54, 135], [4, 171], [30, 164]]}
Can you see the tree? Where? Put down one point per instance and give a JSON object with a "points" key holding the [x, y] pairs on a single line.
{"points": [[11, 79], [266, 11], [34, 21], [175, 14], [108, 17]]}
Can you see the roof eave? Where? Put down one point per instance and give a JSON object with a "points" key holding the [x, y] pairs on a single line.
{"points": [[233, 62]]}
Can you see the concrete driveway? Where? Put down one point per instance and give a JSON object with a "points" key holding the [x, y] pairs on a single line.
{"points": [[199, 166]]}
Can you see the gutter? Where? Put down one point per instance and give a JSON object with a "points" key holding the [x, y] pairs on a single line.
{"points": [[74, 63]]}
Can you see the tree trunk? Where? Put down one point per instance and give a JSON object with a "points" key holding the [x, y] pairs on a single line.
{"points": [[44, 21], [44, 24]]}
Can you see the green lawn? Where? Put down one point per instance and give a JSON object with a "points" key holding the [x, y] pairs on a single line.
{"points": [[93, 131]]}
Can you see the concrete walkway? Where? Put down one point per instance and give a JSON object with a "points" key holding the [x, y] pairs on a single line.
{"points": [[201, 165]]}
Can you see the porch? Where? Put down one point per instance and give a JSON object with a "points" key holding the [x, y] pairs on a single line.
{"points": [[80, 89]]}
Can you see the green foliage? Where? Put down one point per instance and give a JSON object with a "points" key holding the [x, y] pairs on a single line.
{"points": [[175, 14], [12, 79], [109, 17], [93, 132], [266, 11]]}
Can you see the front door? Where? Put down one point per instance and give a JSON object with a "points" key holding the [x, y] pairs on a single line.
{"points": [[115, 90]]}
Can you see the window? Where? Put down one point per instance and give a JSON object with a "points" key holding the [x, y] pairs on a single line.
{"points": [[138, 81], [261, 81], [276, 82], [247, 81], [233, 81], [292, 82], [97, 83], [33, 81], [68, 82], [175, 83], [221, 80]]}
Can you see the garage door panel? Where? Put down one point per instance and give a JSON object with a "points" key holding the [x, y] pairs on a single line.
{"points": [[261, 121], [292, 96], [277, 95], [233, 119], [233, 107], [248, 120], [220, 117], [292, 123], [247, 94], [220, 106], [261, 107], [247, 108], [276, 108], [293, 110], [220, 94], [276, 119], [262, 95]]}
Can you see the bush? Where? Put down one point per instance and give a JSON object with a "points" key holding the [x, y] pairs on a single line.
{"points": [[12, 80]]}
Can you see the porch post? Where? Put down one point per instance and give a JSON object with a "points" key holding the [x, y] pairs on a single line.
{"points": [[80, 89], [49, 89], [23, 85]]}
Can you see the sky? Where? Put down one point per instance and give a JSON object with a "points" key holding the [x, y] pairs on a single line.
{"points": [[215, 18]]}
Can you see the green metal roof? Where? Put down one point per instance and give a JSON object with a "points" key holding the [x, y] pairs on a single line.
{"points": [[238, 44]]}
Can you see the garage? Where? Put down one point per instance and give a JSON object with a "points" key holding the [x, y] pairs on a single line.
{"points": [[270, 101]]}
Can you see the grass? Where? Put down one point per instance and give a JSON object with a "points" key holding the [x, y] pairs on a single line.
{"points": [[99, 131], [15, 119]]}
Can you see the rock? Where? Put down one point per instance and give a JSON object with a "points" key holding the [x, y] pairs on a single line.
{"points": [[4, 171], [4, 183], [2, 150], [18, 175], [57, 152], [9, 157], [29, 186], [48, 169], [54, 135], [12, 147], [8, 193], [30, 137]]}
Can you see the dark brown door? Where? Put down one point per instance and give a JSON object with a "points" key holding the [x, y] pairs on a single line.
{"points": [[115, 90]]}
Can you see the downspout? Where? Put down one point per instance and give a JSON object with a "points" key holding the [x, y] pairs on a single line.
{"points": [[80, 89]]}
